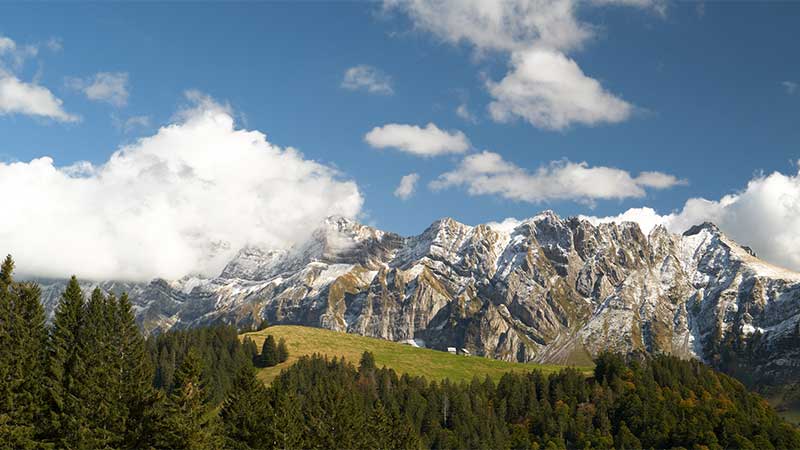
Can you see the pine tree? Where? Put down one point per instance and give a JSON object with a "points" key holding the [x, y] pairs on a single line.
{"points": [[282, 351], [188, 423], [22, 341], [137, 396], [625, 439], [8, 433], [6, 358], [66, 425], [247, 413], [100, 383], [250, 349], [269, 352], [367, 363]]}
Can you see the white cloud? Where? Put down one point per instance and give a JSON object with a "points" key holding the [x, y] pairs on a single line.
{"points": [[428, 141], [181, 201], [463, 111], [129, 124], [103, 86], [367, 78], [790, 86], [6, 45], [550, 91], [407, 186], [765, 216], [543, 86], [19, 97], [501, 25], [13, 55], [506, 226], [646, 217], [487, 173]]}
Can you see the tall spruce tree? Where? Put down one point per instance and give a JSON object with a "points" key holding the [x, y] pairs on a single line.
{"points": [[188, 423], [247, 414], [22, 341], [269, 352], [6, 317], [282, 351], [137, 397], [66, 422], [8, 432], [99, 384]]}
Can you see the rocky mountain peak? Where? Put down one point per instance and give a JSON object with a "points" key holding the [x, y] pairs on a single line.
{"points": [[705, 226]]}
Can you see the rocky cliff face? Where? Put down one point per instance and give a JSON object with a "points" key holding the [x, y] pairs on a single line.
{"points": [[550, 290]]}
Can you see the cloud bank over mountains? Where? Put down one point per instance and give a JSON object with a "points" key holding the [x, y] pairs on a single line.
{"points": [[765, 215], [180, 202]]}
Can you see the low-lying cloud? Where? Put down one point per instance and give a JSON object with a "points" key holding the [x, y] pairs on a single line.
{"points": [[180, 202]]}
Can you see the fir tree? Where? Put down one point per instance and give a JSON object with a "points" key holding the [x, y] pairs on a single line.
{"points": [[100, 383], [366, 365], [269, 352], [137, 396], [282, 351], [250, 349], [188, 423], [67, 413], [23, 338], [247, 413]]}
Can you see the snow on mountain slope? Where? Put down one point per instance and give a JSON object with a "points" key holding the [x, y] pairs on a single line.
{"points": [[548, 290]]}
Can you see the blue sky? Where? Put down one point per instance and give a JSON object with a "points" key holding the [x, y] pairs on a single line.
{"points": [[710, 91]]}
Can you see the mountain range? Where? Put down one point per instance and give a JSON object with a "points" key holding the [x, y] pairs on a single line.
{"points": [[549, 290]]}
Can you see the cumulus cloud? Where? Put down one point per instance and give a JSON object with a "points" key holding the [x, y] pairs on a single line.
{"points": [[549, 90], [487, 173], [19, 97], [104, 87], [407, 186], [543, 85], [427, 141], [790, 87], [501, 25], [368, 79], [179, 202], [765, 215]]}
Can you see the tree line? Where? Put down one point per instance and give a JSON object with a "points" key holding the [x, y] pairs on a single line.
{"points": [[661, 402], [90, 380]]}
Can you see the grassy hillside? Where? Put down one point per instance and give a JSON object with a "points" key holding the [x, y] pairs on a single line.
{"points": [[432, 364]]}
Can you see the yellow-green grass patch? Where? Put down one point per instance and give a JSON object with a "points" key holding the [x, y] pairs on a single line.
{"points": [[431, 364]]}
